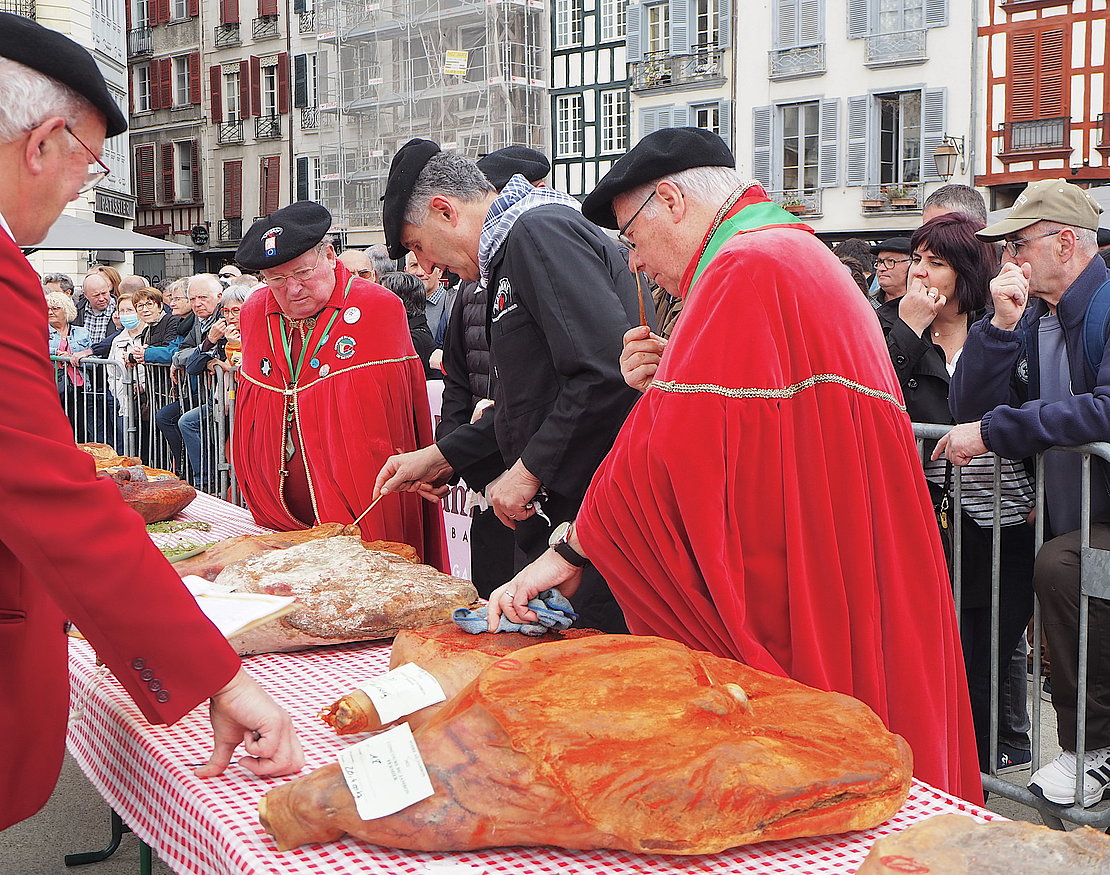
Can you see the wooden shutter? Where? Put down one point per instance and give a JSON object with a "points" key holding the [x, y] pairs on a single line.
{"points": [[168, 191], [233, 189], [1021, 78], [229, 11], [859, 19], [811, 22], [198, 195], [194, 78], [1035, 75], [166, 88], [784, 24], [299, 6], [648, 122], [859, 121], [828, 149], [1050, 75], [933, 123], [300, 81], [270, 188], [144, 174], [680, 27], [194, 8], [680, 116], [164, 13], [154, 13], [936, 13], [761, 145], [724, 117], [635, 28], [256, 85], [267, 7], [283, 83], [216, 86], [724, 25], [244, 90], [302, 179]]}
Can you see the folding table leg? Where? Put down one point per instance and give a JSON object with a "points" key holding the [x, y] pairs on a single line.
{"points": [[118, 829], [145, 863]]}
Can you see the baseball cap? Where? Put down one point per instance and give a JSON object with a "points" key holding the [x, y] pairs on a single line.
{"points": [[1049, 200]]}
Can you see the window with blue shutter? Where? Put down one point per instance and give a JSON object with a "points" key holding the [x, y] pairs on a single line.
{"points": [[761, 145], [859, 119], [828, 161]]}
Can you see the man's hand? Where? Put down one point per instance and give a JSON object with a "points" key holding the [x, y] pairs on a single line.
{"points": [[511, 494], [218, 330], [1010, 291], [962, 444], [81, 355], [424, 471], [640, 356], [920, 305], [550, 570], [139, 354], [242, 712]]}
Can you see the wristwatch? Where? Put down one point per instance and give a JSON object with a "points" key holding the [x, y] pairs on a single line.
{"points": [[558, 542]]}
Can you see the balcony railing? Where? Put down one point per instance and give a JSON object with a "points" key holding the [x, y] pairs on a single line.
{"points": [[267, 127], [227, 35], [660, 69], [796, 62], [265, 27], [140, 41], [897, 48], [308, 118], [230, 132], [307, 23], [1036, 135], [26, 8], [229, 229], [800, 202], [891, 197]]}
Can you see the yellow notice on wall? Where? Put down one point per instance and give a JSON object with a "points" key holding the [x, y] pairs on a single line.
{"points": [[454, 63]]}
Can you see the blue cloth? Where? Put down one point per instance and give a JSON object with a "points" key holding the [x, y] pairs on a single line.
{"points": [[552, 609]]}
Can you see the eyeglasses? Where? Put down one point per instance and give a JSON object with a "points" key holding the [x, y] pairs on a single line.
{"points": [[624, 229], [97, 168], [226, 276], [888, 263], [145, 305], [278, 282], [365, 273], [1013, 247], [233, 311]]}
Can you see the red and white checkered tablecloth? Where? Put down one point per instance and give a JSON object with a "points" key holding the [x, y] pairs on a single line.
{"points": [[210, 827], [228, 520]]}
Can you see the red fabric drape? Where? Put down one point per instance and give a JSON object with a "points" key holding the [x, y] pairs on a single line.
{"points": [[791, 532]]}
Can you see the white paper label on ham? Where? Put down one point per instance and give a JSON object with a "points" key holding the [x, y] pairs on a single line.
{"points": [[385, 773], [399, 692]]}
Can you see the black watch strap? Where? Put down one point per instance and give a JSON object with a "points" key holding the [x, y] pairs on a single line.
{"points": [[571, 555]]}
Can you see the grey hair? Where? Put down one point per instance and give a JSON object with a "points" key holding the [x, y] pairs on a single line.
{"points": [[61, 279], [61, 299], [710, 184], [236, 294], [27, 97], [176, 286], [1085, 237], [209, 278], [956, 198], [446, 174], [380, 260]]}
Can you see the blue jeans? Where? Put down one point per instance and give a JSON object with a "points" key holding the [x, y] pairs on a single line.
{"points": [[202, 460]]}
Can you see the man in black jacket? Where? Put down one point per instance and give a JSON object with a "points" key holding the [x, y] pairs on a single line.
{"points": [[560, 299]]}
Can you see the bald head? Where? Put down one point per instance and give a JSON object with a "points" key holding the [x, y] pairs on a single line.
{"points": [[358, 262], [132, 284]]}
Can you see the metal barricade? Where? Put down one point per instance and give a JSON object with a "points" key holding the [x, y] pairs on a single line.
{"points": [[1094, 583], [91, 407]]}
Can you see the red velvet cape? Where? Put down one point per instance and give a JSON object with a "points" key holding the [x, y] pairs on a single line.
{"points": [[364, 399], [792, 532]]}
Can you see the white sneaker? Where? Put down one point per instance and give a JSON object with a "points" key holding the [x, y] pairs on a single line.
{"points": [[1056, 781]]}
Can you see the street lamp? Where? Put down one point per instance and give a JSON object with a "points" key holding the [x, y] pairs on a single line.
{"points": [[945, 155]]}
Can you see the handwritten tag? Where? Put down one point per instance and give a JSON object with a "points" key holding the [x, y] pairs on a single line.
{"points": [[402, 691], [385, 773]]}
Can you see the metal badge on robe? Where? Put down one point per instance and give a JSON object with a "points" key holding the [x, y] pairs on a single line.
{"points": [[344, 347], [503, 299], [265, 367], [351, 315], [269, 241]]}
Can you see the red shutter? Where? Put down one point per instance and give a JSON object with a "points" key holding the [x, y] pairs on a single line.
{"points": [[233, 189], [270, 184], [1050, 74], [256, 85], [216, 84], [1035, 80], [144, 174], [267, 7], [283, 82], [166, 88], [244, 89], [1023, 76], [194, 78], [133, 77], [194, 8], [168, 191], [197, 195], [127, 14], [164, 13], [229, 11]]}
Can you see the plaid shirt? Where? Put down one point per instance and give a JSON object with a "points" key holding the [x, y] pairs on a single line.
{"points": [[99, 324]]}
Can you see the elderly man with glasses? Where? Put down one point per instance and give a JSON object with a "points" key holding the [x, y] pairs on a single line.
{"points": [[560, 299], [105, 574], [892, 264], [329, 387], [1034, 374]]}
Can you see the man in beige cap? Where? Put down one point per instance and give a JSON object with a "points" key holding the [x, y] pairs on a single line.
{"points": [[1036, 374]]}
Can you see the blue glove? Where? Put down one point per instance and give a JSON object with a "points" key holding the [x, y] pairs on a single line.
{"points": [[552, 609]]}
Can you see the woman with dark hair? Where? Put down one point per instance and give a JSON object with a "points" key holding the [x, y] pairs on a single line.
{"points": [[948, 290], [412, 293]]}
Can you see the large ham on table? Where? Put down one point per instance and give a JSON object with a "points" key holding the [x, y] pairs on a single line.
{"points": [[616, 741]]}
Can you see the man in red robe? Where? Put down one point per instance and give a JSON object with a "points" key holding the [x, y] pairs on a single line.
{"points": [[69, 547], [764, 500], [329, 388]]}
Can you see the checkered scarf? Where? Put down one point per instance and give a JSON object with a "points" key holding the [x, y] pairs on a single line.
{"points": [[516, 198]]}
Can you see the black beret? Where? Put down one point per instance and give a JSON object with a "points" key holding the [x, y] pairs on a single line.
{"points": [[283, 235], [63, 60], [1103, 237], [403, 172], [659, 154], [502, 165], [893, 244]]}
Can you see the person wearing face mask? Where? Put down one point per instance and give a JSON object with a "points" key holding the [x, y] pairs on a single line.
{"points": [[126, 376]]}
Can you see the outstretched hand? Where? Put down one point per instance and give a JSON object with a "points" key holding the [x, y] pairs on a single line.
{"points": [[423, 471]]}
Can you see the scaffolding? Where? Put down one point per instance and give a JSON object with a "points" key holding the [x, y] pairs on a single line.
{"points": [[468, 74]]}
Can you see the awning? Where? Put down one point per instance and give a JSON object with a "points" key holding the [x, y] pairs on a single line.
{"points": [[70, 232]]}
